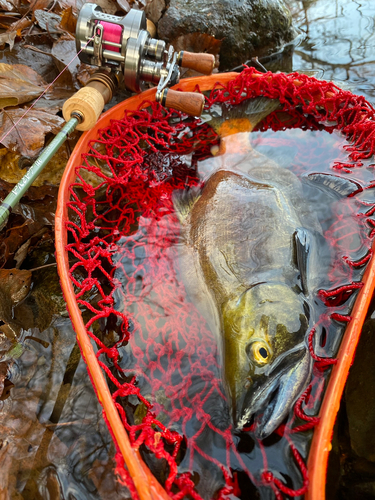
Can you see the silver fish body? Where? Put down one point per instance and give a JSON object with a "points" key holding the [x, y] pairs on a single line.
{"points": [[248, 260]]}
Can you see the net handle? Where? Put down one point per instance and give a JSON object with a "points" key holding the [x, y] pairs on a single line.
{"points": [[321, 443]]}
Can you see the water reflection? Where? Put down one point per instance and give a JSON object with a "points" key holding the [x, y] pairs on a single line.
{"points": [[340, 40], [53, 440]]}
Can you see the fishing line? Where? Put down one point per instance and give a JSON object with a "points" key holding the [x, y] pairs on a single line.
{"points": [[46, 90]]}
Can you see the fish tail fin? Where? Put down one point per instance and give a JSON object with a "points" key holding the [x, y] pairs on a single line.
{"points": [[243, 117], [184, 200]]}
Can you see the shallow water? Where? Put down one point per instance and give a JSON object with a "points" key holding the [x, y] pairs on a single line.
{"points": [[65, 451], [175, 358], [338, 39]]}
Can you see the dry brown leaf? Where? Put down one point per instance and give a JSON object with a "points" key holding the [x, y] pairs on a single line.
{"points": [[39, 4], [75, 4], [15, 283], [27, 138], [48, 21], [8, 37], [154, 10], [62, 51], [20, 25], [9, 5], [124, 5], [21, 72], [18, 84], [108, 6], [85, 72], [68, 21], [13, 167]]}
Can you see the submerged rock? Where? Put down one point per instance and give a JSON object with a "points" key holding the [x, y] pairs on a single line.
{"points": [[246, 28]]}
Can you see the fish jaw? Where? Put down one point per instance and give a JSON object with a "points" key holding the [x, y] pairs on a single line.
{"points": [[272, 401]]}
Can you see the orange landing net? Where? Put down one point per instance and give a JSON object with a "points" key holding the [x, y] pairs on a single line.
{"points": [[135, 153]]}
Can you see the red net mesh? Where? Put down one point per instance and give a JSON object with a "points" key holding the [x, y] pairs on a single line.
{"points": [[158, 355]]}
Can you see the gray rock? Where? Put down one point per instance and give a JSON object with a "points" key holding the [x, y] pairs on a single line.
{"points": [[246, 28]]}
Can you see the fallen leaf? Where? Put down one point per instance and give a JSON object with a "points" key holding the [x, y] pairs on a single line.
{"points": [[20, 25], [8, 37], [62, 52], [9, 5], [39, 4], [68, 21], [154, 10], [7, 18], [27, 137], [124, 5], [75, 4], [48, 21], [23, 250], [13, 167], [3, 374], [21, 72], [85, 71], [108, 6], [15, 284], [18, 84], [42, 64], [12, 237]]}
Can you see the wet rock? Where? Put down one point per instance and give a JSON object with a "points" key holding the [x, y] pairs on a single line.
{"points": [[246, 28], [360, 396]]}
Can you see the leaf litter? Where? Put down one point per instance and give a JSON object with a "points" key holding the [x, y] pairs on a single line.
{"points": [[48, 411]]}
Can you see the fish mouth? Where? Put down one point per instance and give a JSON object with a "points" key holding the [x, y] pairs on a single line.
{"points": [[273, 394]]}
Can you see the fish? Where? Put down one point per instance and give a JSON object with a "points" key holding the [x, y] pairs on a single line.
{"points": [[249, 259]]}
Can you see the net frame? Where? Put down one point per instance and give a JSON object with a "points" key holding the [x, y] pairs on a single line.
{"points": [[357, 122]]}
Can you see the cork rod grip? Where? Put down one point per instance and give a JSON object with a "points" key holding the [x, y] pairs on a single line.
{"points": [[190, 103], [203, 63], [89, 103]]}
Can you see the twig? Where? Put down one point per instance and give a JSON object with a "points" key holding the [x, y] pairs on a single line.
{"points": [[35, 49]]}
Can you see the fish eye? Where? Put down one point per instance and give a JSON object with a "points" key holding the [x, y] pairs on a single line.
{"points": [[261, 352]]}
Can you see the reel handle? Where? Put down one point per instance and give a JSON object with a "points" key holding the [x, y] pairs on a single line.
{"points": [[200, 62], [190, 103]]}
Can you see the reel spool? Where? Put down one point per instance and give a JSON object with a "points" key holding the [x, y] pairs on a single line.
{"points": [[123, 49]]}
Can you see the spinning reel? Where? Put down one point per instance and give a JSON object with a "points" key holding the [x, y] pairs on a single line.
{"points": [[123, 49]]}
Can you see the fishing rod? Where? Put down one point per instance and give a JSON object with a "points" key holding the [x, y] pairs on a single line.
{"points": [[125, 51]]}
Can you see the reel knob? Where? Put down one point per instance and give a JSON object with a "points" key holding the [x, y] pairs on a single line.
{"points": [[201, 62], [191, 103]]}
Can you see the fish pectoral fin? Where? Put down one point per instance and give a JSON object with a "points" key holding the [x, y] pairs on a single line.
{"points": [[303, 243], [333, 185], [184, 200]]}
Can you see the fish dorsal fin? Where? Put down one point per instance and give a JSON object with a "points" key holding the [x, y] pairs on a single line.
{"points": [[302, 246], [247, 115], [340, 187], [236, 123], [184, 201]]}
